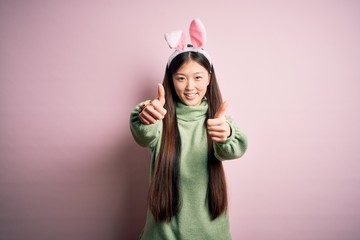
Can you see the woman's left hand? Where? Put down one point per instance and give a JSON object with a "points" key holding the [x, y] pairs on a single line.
{"points": [[217, 127]]}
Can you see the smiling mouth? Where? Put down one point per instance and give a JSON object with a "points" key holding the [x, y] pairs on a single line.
{"points": [[190, 94]]}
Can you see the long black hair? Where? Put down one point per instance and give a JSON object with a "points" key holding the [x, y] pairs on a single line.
{"points": [[164, 197]]}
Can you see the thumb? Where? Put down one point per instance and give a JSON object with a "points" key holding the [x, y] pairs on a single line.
{"points": [[161, 94], [221, 111]]}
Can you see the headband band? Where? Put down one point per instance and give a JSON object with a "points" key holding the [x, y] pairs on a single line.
{"points": [[189, 48], [176, 40]]}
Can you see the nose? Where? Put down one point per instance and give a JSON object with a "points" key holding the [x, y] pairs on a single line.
{"points": [[190, 84]]}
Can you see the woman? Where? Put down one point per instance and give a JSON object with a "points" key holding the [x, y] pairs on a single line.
{"points": [[189, 135]]}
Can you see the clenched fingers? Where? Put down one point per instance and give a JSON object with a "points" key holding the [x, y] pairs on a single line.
{"points": [[218, 129], [152, 113]]}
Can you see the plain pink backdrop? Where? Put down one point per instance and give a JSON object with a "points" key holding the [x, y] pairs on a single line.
{"points": [[71, 71]]}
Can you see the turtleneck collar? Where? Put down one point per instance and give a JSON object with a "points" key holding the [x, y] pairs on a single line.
{"points": [[191, 113]]}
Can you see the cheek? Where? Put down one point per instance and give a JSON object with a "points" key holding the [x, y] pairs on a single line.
{"points": [[205, 85]]}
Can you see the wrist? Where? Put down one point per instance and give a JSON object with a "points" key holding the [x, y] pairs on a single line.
{"points": [[230, 131]]}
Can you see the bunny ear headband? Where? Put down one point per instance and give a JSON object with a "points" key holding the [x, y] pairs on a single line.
{"points": [[176, 40]]}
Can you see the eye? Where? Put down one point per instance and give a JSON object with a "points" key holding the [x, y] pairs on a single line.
{"points": [[198, 77], [180, 79]]}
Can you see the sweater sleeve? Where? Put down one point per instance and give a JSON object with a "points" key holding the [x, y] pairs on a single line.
{"points": [[144, 135], [234, 147]]}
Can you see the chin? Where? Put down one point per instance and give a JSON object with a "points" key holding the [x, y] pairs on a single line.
{"points": [[192, 103]]}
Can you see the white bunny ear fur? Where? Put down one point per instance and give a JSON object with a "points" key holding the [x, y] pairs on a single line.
{"points": [[175, 39]]}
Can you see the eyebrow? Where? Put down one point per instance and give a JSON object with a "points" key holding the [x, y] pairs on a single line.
{"points": [[195, 73]]}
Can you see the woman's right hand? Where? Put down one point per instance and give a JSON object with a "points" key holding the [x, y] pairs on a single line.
{"points": [[154, 110]]}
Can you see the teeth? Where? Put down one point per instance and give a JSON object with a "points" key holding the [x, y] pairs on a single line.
{"points": [[190, 94]]}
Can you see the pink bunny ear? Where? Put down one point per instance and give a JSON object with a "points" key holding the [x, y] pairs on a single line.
{"points": [[176, 39], [197, 33]]}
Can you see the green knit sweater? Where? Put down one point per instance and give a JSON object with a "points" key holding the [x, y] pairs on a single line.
{"points": [[193, 221]]}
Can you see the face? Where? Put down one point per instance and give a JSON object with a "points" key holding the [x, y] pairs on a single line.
{"points": [[190, 82]]}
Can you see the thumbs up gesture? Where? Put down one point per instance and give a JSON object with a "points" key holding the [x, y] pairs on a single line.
{"points": [[154, 110], [217, 127]]}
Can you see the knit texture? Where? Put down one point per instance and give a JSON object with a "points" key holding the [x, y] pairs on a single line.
{"points": [[193, 221]]}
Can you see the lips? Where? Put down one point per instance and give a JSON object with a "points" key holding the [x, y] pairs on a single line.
{"points": [[190, 96]]}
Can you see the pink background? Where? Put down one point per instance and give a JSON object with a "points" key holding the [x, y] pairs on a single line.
{"points": [[71, 71]]}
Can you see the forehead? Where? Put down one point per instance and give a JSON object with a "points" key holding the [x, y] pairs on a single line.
{"points": [[191, 67]]}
